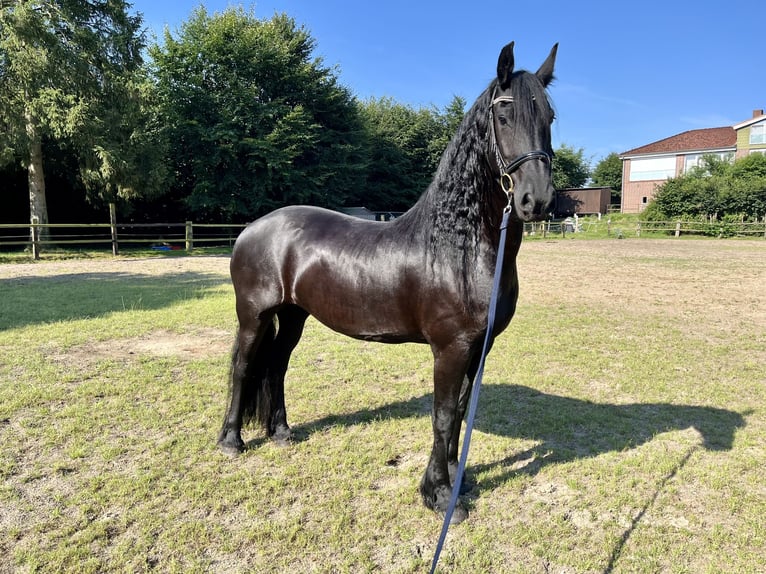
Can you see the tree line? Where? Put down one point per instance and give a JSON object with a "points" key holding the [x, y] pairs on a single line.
{"points": [[226, 119]]}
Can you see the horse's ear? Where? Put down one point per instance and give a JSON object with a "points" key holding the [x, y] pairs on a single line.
{"points": [[545, 73], [505, 66]]}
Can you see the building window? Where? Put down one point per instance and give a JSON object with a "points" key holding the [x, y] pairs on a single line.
{"points": [[758, 134], [696, 159], [652, 169]]}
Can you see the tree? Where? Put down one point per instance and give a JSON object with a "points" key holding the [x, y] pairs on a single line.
{"points": [[608, 173], [570, 169], [717, 189], [63, 65], [404, 146], [253, 120], [448, 119]]}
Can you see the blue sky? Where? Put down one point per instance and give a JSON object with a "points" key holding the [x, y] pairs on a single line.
{"points": [[627, 74]]}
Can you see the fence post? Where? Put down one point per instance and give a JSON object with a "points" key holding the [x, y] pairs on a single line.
{"points": [[638, 229], [35, 231], [113, 228], [608, 227], [678, 228], [189, 236]]}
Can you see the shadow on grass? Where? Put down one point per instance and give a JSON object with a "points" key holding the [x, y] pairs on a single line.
{"points": [[564, 429], [29, 300]]}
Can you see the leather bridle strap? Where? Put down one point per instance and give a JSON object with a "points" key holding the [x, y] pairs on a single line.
{"points": [[508, 167]]}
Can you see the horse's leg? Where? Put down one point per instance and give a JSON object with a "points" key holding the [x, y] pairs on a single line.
{"points": [[450, 368], [462, 405], [253, 341], [291, 321]]}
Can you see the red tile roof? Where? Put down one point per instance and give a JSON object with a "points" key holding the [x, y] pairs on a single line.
{"points": [[692, 140]]}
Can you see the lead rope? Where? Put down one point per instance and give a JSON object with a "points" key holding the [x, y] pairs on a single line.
{"points": [[479, 373]]}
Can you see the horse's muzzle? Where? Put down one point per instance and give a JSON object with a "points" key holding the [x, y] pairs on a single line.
{"points": [[536, 207]]}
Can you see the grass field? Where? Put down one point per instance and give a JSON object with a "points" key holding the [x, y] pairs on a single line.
{"points": [[622, 427]]}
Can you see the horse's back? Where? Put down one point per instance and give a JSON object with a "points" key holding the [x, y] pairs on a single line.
{"points": [[299, 229], [356, 276]]}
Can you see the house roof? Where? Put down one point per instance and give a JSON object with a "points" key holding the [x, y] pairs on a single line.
{"points": [[754, 120], [692, 140]]}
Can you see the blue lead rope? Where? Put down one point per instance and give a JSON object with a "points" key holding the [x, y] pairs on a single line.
{"points": [[475, 391]]}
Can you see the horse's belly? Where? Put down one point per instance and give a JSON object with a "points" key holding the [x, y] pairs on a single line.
{"points": [[369, 304], [362, 315]]}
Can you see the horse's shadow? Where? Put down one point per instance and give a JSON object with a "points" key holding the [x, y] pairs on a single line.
{"points": [[564, 429]]}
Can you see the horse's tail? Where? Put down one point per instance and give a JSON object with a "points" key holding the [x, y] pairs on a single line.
{"points": [[255, 389]]}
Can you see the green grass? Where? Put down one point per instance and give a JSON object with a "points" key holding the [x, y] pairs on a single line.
{"points": [[618, 431]]}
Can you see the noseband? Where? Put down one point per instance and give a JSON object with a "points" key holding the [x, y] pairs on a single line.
{"points": [[507, 167]]}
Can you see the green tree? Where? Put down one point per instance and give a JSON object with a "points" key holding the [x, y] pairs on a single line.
{"points": [[608, 173], [716, 189], [750, 166], [68, 73], [253, 120], [404, 147], [570, 169], [448, 120]]}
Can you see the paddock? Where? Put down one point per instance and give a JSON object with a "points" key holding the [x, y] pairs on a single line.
{"points": [[621, 427]]}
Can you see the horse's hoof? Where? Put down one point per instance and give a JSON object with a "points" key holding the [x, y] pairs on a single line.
{"points": [[230, 450], [458, 515], [282, 437]]}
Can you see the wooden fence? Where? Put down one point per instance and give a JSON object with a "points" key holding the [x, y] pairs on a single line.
{"points": [[159, 236], [184, 236], [605, 227]]}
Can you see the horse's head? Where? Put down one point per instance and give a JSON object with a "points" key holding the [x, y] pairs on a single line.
{"points": [[520, 135]]}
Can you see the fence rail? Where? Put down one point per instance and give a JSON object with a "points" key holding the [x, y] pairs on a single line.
{"points": [[606, 227], [161, 236], [185, 235]]}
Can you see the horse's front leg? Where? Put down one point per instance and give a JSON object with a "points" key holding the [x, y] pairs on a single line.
{"points": [[450, 367], [462, 406]]}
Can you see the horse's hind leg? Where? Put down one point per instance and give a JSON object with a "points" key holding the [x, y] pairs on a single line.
{"points": [[251, 346], [290, 328]]}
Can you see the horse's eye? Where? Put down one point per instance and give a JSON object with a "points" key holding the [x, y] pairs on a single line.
{"points": [[503, 121]]}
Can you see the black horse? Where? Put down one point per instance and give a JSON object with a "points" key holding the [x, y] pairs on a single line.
{"points": [[425, 277]]}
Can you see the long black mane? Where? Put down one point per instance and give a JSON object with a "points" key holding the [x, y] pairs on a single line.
{"points": [[462, 206]]}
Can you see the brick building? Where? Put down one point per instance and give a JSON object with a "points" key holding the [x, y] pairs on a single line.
{"points": [[646, 167]]}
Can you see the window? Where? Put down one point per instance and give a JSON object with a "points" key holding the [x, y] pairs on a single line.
{"points": [[652, 169], [758, 133], [695, 159]]}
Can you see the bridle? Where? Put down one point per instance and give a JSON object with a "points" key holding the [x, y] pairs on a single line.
{"points": [[507, 167]]}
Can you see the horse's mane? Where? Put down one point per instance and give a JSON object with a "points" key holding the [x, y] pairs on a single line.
{"points": [[459, 209]]}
